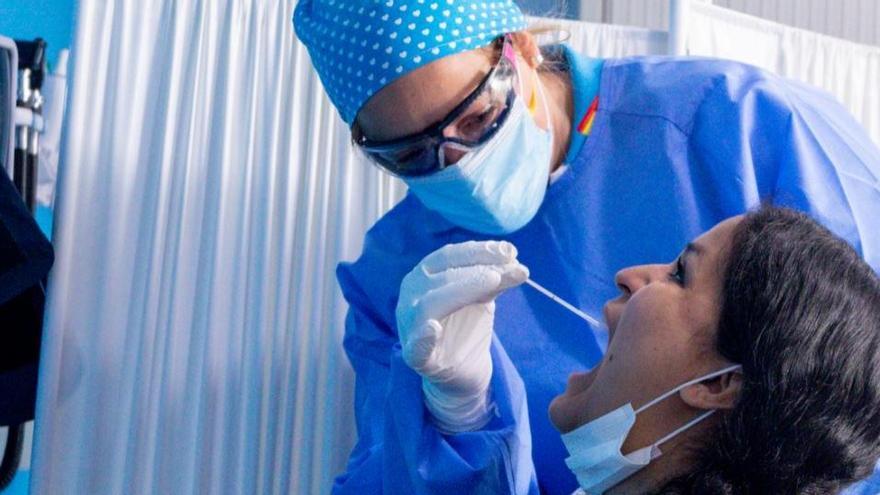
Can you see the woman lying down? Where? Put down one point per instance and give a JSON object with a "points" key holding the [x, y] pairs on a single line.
{"points": [[750, 365]]}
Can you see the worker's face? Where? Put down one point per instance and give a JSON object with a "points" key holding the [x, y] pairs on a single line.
{"points": [[426, 95], [662, 331]]}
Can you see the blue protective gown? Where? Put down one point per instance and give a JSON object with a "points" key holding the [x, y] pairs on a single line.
{"points": [[677, 146]]}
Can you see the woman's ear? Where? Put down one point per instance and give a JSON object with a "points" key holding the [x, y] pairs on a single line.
{"points": [[719, 393], [524, 42]]}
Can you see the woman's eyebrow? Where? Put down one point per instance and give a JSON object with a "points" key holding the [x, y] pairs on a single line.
{"points": [[693, 248]]}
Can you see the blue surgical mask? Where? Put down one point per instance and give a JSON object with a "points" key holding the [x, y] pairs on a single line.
{"points": [[595, 457], [497, 188]]}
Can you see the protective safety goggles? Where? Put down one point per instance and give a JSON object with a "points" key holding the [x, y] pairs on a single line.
{"points": [[469, 125]]}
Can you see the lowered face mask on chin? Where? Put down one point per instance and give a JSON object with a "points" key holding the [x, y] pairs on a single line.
{"points": [[498, 188], [595, 457]]}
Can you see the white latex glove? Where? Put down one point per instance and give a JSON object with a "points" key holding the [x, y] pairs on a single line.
{"points": [[445, 319]]}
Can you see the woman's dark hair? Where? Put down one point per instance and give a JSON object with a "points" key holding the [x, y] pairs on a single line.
{"points": [[801, 312]]}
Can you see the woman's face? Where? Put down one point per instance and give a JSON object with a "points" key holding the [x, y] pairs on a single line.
{"points": [[662, 329]]}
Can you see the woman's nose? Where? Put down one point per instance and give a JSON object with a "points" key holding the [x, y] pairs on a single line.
{"points": [[630, 280]]}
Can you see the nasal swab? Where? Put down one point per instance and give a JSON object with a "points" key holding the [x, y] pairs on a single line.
{"points": [[589, 319]]}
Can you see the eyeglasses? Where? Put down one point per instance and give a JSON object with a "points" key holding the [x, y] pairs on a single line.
{"points": [[472, 123]]}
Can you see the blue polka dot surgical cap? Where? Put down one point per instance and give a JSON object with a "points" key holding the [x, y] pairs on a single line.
{"points": [[359, 46]]}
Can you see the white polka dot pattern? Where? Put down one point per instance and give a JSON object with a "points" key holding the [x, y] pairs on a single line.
{"points": [[359, 46]]}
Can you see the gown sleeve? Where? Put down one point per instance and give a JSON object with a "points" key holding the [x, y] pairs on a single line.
{"points": [[792, 145], [398, 449]]}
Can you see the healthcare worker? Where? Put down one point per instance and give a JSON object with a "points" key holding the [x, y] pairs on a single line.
{"points": [[518, 156]]}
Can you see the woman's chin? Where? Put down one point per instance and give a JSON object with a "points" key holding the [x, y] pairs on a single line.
{"points": [[560, 413], [565, 409]]}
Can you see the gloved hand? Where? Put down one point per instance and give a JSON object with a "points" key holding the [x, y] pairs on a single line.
{"points": [[445, 319]]}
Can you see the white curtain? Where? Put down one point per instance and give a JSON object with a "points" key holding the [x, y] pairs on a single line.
{"points": [[606, 40], [206, 192], [849, 71], [192, 342]]}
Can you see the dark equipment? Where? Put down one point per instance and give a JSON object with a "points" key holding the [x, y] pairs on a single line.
{"points": [[31, 72], [25, 254]]}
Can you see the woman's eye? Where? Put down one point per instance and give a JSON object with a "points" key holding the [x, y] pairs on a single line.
{"points": [[474, 125], [678, 275], [408, 156]]}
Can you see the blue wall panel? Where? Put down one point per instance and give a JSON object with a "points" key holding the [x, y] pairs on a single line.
{"points": [[51, 20]]}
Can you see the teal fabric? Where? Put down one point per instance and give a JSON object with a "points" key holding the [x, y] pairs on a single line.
{"points": [[585, 75]]}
